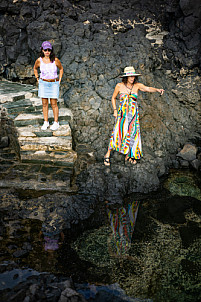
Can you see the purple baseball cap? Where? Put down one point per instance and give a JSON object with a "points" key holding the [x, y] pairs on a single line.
{"points": [[46, 44]]}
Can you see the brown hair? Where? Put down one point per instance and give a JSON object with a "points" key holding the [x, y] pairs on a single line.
{"points": [[125, 80], [52, 55]]}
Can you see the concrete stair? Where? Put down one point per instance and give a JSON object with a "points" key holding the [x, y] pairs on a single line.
{"points": [[38, 147]]}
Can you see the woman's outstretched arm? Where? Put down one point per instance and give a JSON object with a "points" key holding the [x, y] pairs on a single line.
{"points": [[144, 88]]}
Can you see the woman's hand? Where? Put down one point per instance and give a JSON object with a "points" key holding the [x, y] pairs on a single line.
{"points": [[115, 113], [161, 91]]}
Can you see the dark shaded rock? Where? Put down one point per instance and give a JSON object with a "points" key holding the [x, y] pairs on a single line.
{"points": [[4, 142], [173, 210], [20, 253], [189, 233], [175, 164], [189, 7], [40, 287], [196, 163], [190, 267], [184, 163]]}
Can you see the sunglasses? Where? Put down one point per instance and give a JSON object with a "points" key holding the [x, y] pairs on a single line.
{"points": [[48, 49]]}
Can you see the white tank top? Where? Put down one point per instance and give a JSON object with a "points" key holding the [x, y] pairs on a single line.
{"points": [[48, 71]]}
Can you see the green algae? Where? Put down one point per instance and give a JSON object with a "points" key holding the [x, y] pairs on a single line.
{"points": [[183, 183]]}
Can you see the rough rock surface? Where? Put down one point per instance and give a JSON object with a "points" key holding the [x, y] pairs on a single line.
{"points": [[95, 40], [189, 152]]}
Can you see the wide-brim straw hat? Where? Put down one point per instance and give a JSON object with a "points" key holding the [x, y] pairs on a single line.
{"points": [[129, 72]]}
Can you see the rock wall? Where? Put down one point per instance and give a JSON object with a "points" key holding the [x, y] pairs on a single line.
{"points": [[95, 40], [9, 146], [25, 24]]}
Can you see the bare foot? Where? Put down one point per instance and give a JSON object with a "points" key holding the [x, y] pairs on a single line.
{"points": [[106, 161], [130, 160]]}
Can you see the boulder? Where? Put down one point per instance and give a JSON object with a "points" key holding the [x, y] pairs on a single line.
{"points": [[188, 152]]}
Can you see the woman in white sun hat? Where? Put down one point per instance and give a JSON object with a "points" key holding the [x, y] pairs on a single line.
{"points": [[126, 137], [49, 82]]}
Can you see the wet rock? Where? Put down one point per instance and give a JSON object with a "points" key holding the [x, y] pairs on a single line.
{"points": [[41, 287], [70, 295], [20, 253]]}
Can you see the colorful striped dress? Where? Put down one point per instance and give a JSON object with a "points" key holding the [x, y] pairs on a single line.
{"points": [[126, 137]]}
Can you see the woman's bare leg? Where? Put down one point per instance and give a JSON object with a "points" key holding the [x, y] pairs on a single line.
{"points": [[107, 158], [126, 158], [55, 109], [108, 153], [45, 109]]}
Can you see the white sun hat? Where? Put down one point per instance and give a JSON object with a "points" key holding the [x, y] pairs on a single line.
{"points": [[130, 72]]}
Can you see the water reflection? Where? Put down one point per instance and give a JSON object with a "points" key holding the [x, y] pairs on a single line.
{"points": [[52, 242], [122, 222]]}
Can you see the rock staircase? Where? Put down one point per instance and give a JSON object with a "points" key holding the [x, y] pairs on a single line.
{"points": [[37, 147]]}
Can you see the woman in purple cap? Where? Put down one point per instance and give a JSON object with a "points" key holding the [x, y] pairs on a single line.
{"points": [[48, 82], [126, 137]]}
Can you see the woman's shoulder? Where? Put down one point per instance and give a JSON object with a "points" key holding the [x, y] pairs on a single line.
{"points": [[37, 62], [138, 84], [119, 85]]}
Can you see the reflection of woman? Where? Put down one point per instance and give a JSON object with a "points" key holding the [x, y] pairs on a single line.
{"points": [[48, 82], [126, 137], [122, 222]]}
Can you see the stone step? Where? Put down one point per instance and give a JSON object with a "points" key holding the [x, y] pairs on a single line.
{"points": [[36, 101], [11, 92], [39, 177], [34, 131], [45, 143], [54, 158], [32, 101], [37, 118], [28, 106], [18, 104], [11, 97], [43, 185]]}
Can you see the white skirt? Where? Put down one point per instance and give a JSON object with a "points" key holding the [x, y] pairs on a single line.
{"points": [[49, 90]]}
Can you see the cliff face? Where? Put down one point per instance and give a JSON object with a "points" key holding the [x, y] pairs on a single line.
{"points": [[95, 40], [25, 24]]}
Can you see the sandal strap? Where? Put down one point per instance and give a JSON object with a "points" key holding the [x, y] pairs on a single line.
{"points": [[107, 159]]}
